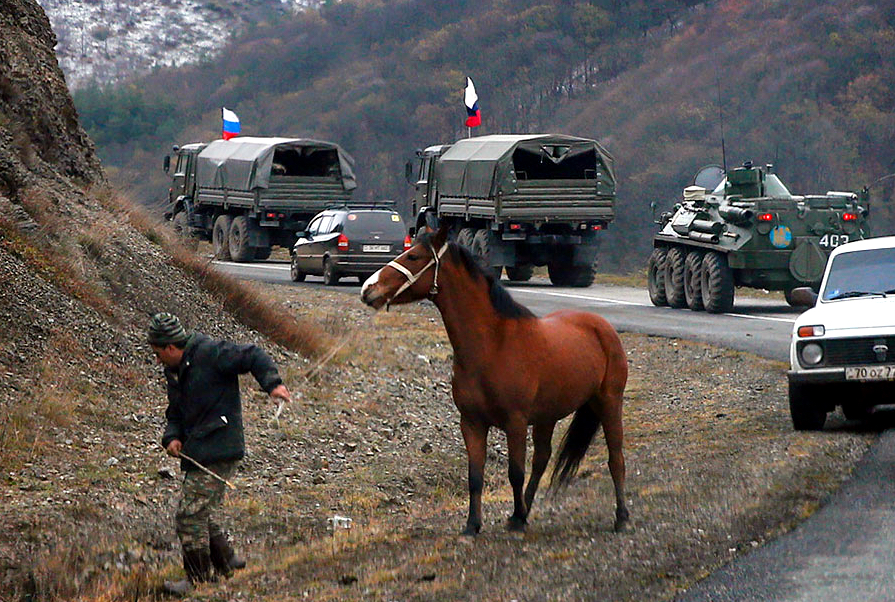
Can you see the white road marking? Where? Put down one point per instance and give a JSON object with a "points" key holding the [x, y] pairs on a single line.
{"points": [[265, 266]]}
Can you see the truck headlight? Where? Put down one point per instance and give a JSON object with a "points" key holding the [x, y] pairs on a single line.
{"points": [[812, 354]]}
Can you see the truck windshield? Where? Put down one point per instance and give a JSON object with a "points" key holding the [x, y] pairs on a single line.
{"points": [[861, 273]]}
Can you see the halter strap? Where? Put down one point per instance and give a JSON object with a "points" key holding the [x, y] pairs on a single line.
{"points": [[411, 277]]}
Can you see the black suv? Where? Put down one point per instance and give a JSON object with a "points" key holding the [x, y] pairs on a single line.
{"points": [[348, 242]]}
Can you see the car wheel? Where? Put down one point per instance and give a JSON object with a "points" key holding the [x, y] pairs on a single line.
{"points": [[655, 277], [717, 283], [693, 280], [330, 277], [220, 237], [807, 411], [674, 277], [240, 239], [294, 273]]}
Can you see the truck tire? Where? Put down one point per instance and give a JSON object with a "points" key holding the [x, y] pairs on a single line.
{"points": [[296, 274], [693, 280], [717, 283], [521, 273], [674, 277], [330, 276], [183, 230], [220, 237], [481, 248], [655, 277], [465, 237], [240, 239], [807, 412], [579, 276]]}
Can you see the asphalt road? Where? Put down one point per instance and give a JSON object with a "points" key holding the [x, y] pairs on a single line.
{"points": [[844, 552]]}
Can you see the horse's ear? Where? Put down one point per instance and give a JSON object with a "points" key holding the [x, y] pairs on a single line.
{"points": [[440, 236]]}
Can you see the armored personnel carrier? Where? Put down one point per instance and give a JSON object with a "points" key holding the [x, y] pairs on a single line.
{"points": [[744, 228]]}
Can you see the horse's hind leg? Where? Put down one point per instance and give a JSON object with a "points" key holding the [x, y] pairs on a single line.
{"points": [[475, 436], [516, 435], [542, 437], [614, 433]]}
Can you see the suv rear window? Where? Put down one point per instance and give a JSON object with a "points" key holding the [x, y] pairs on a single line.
{"points": [[389, 224]]}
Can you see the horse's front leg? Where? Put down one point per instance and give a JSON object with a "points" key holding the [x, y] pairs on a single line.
{"points": [[516, 435], [475, 435]]}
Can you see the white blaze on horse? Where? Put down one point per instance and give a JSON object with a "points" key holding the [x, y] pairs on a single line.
{"points": [[513, 369]]}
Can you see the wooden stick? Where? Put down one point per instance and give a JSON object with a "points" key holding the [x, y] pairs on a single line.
{"points": [[208, 472], [307, 376]]}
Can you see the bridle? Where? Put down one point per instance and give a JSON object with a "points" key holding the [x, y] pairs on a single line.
{"points": [[411, 277]]}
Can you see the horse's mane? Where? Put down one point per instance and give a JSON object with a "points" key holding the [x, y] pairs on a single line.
{"points": [[501, 299]]}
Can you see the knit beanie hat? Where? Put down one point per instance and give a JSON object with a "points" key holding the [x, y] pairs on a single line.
{"points": [[166, 329]]}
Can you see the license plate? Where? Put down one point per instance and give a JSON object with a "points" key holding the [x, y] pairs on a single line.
{"points": [[377, 248], [870, 373]]}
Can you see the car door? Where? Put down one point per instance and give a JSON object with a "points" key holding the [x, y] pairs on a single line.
{"points": [[304, 246]]}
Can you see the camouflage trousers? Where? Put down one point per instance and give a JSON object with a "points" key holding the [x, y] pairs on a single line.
{"points": [[198, 510]]}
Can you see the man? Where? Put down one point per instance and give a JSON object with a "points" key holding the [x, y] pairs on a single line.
{"points": [[205, 428]]}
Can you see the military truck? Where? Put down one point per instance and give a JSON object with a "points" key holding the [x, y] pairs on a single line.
{"points": [[745, 228], [520, 201], [249, 194]]}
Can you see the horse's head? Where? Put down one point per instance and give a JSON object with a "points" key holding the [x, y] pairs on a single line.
{"points": [[411, 276]]}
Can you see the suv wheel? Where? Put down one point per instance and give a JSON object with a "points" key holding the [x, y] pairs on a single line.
{"points": [[220, 237], [330, 277], [655, 276], [294, 273], [805, 407]]}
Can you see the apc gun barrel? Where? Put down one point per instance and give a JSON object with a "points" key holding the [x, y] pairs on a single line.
{"points": [[703, 237], [736, 214], [708, 226]]}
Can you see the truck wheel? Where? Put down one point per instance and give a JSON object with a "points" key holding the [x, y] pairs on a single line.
{"points": [[717, 283], [330, 277], [481, 248], [522, 273], [465, 237], [294, 273], [582, 276], [693, 280], [807, 411], [655, 277], [183, 231], [674, 277], [220, 237], [263, 252], [240, 239]]}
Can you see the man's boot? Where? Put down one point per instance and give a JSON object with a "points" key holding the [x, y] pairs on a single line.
{"points": [[223, 557], [197, 564]]}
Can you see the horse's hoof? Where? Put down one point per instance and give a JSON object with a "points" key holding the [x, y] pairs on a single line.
{"points": [[514, 523], [471, 530], [622, 525]]}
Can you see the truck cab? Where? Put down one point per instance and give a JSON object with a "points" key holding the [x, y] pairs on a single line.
{"points": [[183, 180]]}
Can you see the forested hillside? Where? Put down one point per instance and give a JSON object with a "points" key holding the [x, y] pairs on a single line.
{"points": [[809, 86]]}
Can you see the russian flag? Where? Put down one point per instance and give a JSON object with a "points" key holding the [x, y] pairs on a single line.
{"points": [[231, 124], [473, 114]]}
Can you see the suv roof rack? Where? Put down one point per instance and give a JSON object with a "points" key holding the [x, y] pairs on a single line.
{"points": [[377, 204]]}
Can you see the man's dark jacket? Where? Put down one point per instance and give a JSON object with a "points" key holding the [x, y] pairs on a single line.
{"points": [[204, 409]]}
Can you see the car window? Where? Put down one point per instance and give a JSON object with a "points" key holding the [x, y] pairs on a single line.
{"points": [[338, 223], [325, 224], [868, 271], [380, 222], [314, 228]]}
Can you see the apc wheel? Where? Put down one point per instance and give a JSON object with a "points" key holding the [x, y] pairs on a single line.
{"points": [[240, 239], [465, 237], [330, 276], [220, 237], [808, 413], [296, 274], [522, 273], [481, 248], [674, 277], [655, 276], [693, 280], [717, 283]]}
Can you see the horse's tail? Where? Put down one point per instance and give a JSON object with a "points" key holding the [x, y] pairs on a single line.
{"points": [[574, 445]]}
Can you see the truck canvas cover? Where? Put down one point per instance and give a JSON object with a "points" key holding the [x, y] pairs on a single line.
{"points": [[245, 163], [480, 167]]}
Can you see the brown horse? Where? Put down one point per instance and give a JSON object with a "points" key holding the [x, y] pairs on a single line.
{"points": [[513, 369]]}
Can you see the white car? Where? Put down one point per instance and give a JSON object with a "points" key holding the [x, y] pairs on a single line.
{"points": [[843, 349]]}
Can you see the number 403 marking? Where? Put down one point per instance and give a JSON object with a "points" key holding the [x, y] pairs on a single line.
{"points": [[833, 240]]}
